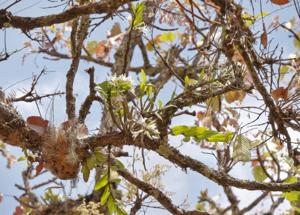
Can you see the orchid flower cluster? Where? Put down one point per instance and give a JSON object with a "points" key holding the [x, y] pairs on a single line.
{"points": [[142, 126], [119, 97], [115, 89]]}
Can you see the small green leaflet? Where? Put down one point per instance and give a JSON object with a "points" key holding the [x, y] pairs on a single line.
{"points": [[167, 37], [91, 161], [97, 158], [101, 183], [291, 180], [113, 207], [201, 133], [105, 195], [100, 157], [259, 174], [186, 81], [92, 47], [160, 104], [283, 71], [85, 172], [22, 158], [292, 196], [119, 164], [241, 149], [221, 137], [138, 14], [111, 204]]}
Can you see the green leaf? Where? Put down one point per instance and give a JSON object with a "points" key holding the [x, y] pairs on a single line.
{"points": [[100, 157], [105, 195], [283, 71], [291, 180], [138, 14], [22, 158], [101, 183], [296, 209], [111, 204], [241, 149], [292, 196], [199, 133], [180, 129], [297, 42], [92, 47], [116, 180], [262, 14], [119, 165], [167, 37], [144, 77], [202, 73], [186, 81], [204, 134], [186, 139], [85, 172], [259, 174], [91, 161], [173, 94], [143, 82], [149, 91], [160, 104], [221, 137], [121, 211], [249, 19]]}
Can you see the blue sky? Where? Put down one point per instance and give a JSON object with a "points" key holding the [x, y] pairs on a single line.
{"points": [[184, 185]]}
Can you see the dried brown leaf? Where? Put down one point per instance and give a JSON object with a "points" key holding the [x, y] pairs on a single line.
{"points": [[19, 211], [37, 124], [39, 168], [264, 39], [115, 30], [280, 93]]}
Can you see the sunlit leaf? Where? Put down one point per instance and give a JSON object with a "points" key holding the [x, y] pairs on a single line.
{"points": [[201, 133], [121, 211], [292, 196], [22, 158], [111, 204], [167, 37], [241, 149], [160, 104], [221, 137], [105, 195], [283, 71], [259, 174], [138, 13], [101, 183], [297, 42], [119, 164], [291, 180]]}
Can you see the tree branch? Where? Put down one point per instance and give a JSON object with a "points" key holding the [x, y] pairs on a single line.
{"points": [[28, 23]]}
